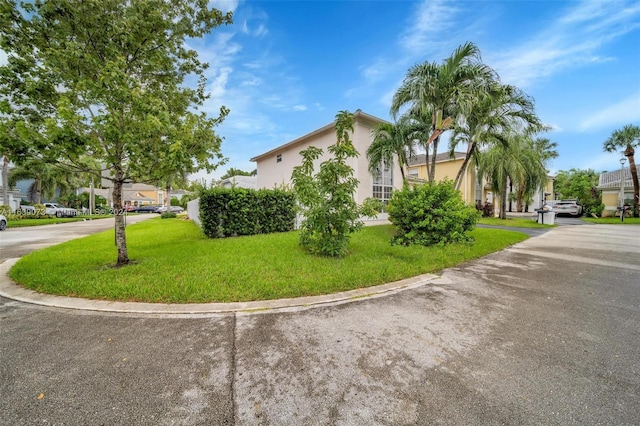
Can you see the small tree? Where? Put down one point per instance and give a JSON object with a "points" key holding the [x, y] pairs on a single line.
{"points": [[326, 198], [431, 214]]}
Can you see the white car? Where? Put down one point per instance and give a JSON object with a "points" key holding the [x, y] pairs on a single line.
{"points": [[570, 207], [3, 222], [54, 209]]}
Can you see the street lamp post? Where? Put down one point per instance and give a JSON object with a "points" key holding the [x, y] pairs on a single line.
{"points": [[622, 176]]}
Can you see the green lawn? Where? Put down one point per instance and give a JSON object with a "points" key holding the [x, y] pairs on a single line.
{"points": [[175, 263], [19, 223], [513, 222], [613, 220]]}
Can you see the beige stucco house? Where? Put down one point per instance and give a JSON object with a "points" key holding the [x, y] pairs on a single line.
{"points": [[275, 166], [609, 184]]}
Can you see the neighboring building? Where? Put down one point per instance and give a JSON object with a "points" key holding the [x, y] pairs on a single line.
{"points": [[609, 184], [133, 194], [447, 167], [249, 182], [276, 166]]}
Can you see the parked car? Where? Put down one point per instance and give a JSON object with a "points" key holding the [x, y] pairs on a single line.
{"points": [[172, 209], [3, 222], [151, 208], [570, 207], [57, 210]]}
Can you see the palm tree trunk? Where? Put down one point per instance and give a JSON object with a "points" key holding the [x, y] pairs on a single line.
{"points": [[629, 153], [503, 199], [465, 163], [432, 170]]}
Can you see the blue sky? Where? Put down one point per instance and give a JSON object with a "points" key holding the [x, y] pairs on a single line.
{"points": [[285, 68]]}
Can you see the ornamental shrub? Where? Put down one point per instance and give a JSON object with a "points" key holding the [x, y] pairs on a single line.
{"points": [[168, 215], [5, 210], [326, 199], [431, 214], [239, 211]]}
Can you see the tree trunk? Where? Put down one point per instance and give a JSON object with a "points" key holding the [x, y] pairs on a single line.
{"points": [[121, 237], [432, 171], [5, 181], [503, 200], [168, 195], [629, 153], [465, 163], [520, 197]]}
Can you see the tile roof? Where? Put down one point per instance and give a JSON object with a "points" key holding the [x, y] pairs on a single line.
{"points": [[611, 180], [443, 156]]}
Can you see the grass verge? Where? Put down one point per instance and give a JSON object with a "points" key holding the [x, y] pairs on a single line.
{"points": [[515, 222], [175, 263], [613, 220]]}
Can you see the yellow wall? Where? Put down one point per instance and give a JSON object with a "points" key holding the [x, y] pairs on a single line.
{"points": [[610, 199], [448, 169]]}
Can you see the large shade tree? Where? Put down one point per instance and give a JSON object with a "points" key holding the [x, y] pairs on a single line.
{"points": [[628, 138], [440, 90], [108, 79]]}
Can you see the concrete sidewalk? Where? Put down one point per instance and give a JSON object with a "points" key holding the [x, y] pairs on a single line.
{"points": [[541, 333]]}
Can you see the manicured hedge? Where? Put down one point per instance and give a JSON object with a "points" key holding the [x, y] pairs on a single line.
{"points": [[238, 211]]}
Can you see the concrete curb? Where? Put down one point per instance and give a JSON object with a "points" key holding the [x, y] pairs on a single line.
{"points": [[13, 291]]}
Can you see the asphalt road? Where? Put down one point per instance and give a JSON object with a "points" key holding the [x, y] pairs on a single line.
{"points": [[546, 332]]}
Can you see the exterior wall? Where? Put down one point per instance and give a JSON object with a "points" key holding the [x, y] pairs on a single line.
{"points": [[448, 169], [272, 173], [611, 200]]}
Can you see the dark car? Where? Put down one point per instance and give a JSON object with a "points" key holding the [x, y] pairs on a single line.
{"points": [[146, 209]]}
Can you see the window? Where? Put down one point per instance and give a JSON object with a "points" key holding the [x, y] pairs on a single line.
{"points": [[278, 158], [383, 182]]}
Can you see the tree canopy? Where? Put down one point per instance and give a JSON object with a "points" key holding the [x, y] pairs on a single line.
{"points": [[107, 79]]}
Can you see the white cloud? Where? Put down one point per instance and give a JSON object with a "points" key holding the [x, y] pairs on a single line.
{"points": [[224, 5], [623, 112], [433, 18], [299, 108], [569, 42]]}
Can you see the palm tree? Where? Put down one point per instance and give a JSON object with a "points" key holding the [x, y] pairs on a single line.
{"points": [[389, 141], [520, 160], [47, 179], [441, 90], [501, 110], [628, 137]]}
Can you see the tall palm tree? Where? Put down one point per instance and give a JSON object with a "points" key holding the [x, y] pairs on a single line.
{"points": [[493, 114], [535, 154], [389, 141], [520, 160], [442, 89], [628, 138]]}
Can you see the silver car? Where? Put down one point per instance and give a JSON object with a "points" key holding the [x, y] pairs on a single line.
{"points": [[3, 222], [570, 207]]}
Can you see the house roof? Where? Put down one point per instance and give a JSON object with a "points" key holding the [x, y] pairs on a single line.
{"points": [[358, 115], [611, 180], [420, 159]]}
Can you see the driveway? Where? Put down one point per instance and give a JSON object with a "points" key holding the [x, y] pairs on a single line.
{"points": [[536, 334]]}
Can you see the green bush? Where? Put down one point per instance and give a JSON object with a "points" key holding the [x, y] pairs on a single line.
{"points": [[5, 210], [431, 214], [175, 202], [326, 198], [168, 215], [239, 211]]}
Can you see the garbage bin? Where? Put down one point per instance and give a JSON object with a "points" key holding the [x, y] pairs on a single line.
{"points": [[546, 217]]}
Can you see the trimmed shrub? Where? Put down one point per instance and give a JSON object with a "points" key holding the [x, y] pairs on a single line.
{"points": [[239, 211], [431, 214], [168, 215]]}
